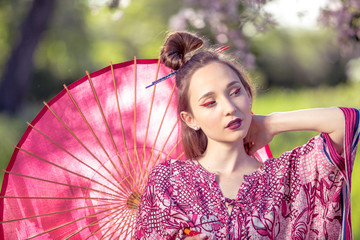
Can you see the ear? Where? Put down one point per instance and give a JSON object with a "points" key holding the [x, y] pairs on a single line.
{"points": [[188, 118]]}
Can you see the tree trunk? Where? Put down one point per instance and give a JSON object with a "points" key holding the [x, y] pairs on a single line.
{"points": [[17, 74]]}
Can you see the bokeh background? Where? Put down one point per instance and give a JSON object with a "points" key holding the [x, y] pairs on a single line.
{"points": [[299, 53]]}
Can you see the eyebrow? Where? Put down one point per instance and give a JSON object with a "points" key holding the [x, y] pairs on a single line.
{"points": [[208, 94]]}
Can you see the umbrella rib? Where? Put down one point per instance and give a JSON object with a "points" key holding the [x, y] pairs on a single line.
{"points": [[135, 110], [91, 129], [174, 148], [150, 111], [120, 117], [122, 126], [180, 156], [89, 225], [162, 120], [77, 159], [127, 216], [167, 139], [106, 124], [59, 183], [54, 213], [103, 228], [116, 229], [65, 224], [58, 198], [81, 143], [65, 169], [142, 177]]}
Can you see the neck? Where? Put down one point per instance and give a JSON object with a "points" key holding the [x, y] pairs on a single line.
{"points": [[225, 158]]}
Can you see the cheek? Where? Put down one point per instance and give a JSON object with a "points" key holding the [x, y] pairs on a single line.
{"points": [[207, 118]]}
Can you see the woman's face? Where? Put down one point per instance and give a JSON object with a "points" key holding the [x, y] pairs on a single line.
{"points": [[221, 106]]}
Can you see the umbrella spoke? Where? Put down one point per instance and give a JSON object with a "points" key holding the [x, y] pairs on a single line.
{"points": [[150, 111], [77, 159], [144, 179], [122, 128], [89, 225], [175, 146], [162, 149], [54, 213], [92, 130], [62, 184], [120, 117], [162, 120], [82, 144], [58, 198], [182, 154], [128, 220], [108, 129], [158, 132], [136, 156], [102, 227], [67, 170], [116, 229], [71, 222]]}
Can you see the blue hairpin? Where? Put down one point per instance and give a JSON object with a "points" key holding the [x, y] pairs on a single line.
{"points": [[218, 50], [161, 79]]}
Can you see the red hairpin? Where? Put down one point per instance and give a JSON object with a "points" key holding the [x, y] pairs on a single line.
{"points": [[220, 49]]}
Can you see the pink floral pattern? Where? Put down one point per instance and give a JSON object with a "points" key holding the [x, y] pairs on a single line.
{"points": [[303, 194]]}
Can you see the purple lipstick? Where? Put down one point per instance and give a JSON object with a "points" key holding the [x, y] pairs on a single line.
{"points": [[234, 124]]}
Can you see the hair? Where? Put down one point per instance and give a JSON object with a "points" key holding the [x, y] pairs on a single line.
{"points": [[176, 54]]}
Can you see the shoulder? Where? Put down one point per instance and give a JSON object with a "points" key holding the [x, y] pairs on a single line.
{"points": [[313, 150], [311, 145]]}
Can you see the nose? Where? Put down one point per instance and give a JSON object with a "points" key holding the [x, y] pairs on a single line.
{"points": [[228, 106]]}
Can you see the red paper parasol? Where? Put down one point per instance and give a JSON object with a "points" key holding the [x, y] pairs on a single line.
{"points": [[80, 168]]}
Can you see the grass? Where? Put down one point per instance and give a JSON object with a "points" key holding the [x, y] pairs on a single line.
{"points": [[271, 101]]}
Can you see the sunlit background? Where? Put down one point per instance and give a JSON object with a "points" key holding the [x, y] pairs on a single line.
{"points": [[299, 53]]}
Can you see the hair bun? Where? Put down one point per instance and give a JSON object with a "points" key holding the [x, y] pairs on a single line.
{"points": [[174, 52]]}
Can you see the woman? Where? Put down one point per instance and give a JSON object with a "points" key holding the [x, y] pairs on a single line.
{"points": [[224, 193]]}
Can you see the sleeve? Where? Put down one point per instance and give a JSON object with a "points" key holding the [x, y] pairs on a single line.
{"points": [[345, 163], [157, 217]]}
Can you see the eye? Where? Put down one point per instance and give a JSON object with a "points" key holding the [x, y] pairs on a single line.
{"points": [[236, 92], [208, 104]]}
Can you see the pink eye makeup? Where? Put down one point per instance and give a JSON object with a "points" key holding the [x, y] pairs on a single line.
{"points": [[209, 103]]}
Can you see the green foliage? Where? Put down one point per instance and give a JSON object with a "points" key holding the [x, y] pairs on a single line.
{"points": [[84, 37], [10, 132]]}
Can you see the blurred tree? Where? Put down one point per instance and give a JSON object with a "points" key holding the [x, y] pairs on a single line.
{"points": [[234, 21], [18, 69], [296, 58], [344, 16], [224, 22], [85, 35], [64, 52]]}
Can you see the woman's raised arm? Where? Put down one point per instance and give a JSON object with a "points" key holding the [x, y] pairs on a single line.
{"points": [[326, 120]]}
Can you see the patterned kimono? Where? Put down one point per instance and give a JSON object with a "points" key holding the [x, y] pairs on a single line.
{"points": [[303, 194]]}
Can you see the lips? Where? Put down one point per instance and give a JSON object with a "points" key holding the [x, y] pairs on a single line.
{"points": [[234, 124]]}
